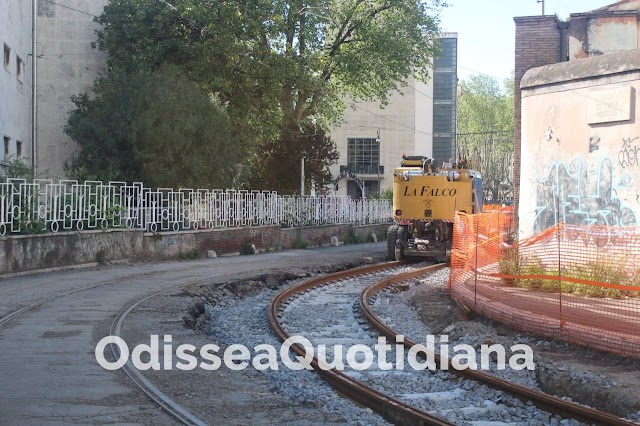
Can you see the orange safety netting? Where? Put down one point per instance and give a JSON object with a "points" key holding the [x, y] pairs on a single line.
{"points": [[580, 284]]}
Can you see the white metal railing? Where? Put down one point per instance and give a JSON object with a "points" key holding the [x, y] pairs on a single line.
{"points": [[45, 206]]}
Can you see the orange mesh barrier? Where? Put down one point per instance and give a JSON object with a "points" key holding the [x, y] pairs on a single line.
{"points": [[576, 283]]}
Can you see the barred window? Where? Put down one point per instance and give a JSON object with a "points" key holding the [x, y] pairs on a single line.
{"points": [[363, 152]]}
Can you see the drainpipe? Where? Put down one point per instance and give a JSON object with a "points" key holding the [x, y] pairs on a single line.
{"points": [[34, 88], [564, 41]]}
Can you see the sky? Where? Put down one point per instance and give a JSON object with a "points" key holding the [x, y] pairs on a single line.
{"points": [[486, 31]]}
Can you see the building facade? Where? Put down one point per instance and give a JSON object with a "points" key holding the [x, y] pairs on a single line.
{"points": [[546, 40], [566, 50], [67, 66], [419, 120], [15, 81]]}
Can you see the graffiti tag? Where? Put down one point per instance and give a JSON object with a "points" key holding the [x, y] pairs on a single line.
{"points": [[594, 142], [628, 155]]}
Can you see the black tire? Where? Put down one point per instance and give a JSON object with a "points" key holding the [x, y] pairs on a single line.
{"points": [[401, 237], [392, 236]]}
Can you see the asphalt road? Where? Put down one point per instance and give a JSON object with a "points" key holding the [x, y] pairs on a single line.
{"points": [[48, 371]]}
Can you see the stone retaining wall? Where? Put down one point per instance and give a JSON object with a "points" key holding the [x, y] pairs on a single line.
{"points": [[36, 252]]}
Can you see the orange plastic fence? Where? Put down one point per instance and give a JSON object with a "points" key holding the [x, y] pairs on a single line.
{"points": [[576, 283]]}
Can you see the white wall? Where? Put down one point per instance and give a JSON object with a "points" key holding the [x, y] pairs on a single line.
{"points": [[67, 66], [15, 96]]}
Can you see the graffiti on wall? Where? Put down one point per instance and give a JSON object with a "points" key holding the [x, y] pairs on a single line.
{"points": [[582, 194]]}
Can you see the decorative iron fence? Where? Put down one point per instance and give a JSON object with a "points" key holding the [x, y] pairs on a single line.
{"points": [[45, 206]]}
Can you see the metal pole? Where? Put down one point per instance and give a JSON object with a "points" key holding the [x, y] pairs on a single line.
{"points": [[542, 1], [302, 176], [379, 157], [34, 88]]}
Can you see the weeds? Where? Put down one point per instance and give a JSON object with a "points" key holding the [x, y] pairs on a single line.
{"points": [[298, 242], [190, 255], [248, 249], [352, 237], [608, 272]]}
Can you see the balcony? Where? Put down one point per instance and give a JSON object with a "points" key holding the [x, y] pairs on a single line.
{"points": [[363, 170]]}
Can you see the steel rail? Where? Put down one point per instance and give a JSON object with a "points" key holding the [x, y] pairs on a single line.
{"points": [[389, 408], [160, 398], [542, 400]]}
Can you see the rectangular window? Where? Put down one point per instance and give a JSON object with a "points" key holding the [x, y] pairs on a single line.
{"points": [[19, 150], [19, 68], [7, 141], [7, 58], [363, 155]]}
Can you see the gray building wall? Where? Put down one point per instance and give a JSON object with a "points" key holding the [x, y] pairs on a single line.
{"points": [[15, 95], [445, 100], [67, 66]]}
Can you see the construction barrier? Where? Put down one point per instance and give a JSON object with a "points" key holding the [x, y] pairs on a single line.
{"points": [[580, 284]]}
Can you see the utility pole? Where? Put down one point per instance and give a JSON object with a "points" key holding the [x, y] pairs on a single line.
{"points": [[302, 177], [34, 88], [542, 1]]}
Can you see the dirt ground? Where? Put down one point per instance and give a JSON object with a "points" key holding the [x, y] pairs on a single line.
{"points": [[601, 380], [223, 397]]}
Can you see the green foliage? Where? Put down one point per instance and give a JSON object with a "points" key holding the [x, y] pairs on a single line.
{"points": [[248, 249], [279, 68], [276, 164], [386, 194], [103, 128], [190, 255], [485, 127], [602, 271], [158, 127], [101, 257], [298, 242], [183, 136], [352, 237], [17, 169]]}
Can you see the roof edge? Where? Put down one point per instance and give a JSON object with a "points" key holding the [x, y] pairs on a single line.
{"points": [[590, 68]]}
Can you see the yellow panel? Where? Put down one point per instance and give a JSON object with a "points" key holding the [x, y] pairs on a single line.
{"points": [[431, 197]]}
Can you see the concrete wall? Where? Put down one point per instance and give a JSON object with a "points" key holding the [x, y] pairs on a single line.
{"points": [[67, 66], [15, 95], [604, 30], [581, 143], [35, 252]]}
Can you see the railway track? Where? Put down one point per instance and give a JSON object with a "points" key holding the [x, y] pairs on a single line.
{"points": [[156, 395], [336, 309]]}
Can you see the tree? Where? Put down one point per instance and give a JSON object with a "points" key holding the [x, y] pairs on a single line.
{"points": [[102, 126], [159, 128], [277, 164], [277, 65], [485, 132], [182, 135]]}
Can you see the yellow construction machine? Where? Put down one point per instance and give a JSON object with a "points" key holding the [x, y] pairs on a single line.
{"points": [[424, 201]]}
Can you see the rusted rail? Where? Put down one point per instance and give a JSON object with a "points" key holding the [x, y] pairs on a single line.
{"points": [[542, 400], [389, 408]]}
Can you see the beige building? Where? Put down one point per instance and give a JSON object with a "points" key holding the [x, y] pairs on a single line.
{"points": [[67, 66], [419, 120]]}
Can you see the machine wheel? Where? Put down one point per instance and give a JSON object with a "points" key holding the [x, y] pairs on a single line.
{"points": [[401, 240], [392, 236]]}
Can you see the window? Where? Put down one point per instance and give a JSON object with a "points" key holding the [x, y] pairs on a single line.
{"points": [[363, 155], [7, 141], [7, 58], [19, 68], [18, 150]]}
